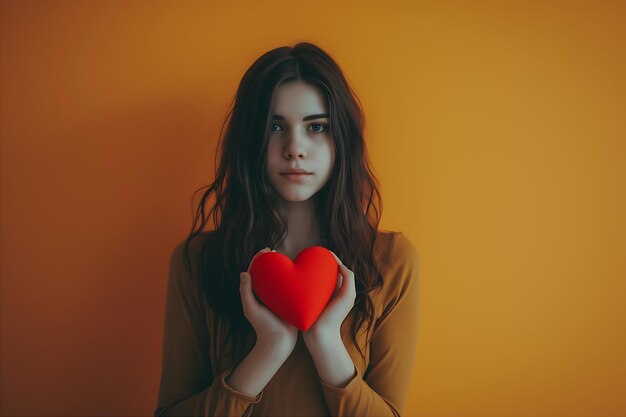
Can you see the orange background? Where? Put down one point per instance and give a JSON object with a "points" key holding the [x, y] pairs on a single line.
{"points": [[497, 130]]}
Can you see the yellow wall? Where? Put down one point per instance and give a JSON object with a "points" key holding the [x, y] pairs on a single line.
{"points": [[497, 130]]}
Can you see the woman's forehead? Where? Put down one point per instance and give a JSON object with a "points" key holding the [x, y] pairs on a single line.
{"points": [[297, 100]]}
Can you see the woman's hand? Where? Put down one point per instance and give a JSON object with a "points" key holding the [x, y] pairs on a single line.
{"points": [[269, 328], [328, 324]]}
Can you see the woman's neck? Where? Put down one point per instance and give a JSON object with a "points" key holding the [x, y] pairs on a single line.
{"points": [[303, 228]]}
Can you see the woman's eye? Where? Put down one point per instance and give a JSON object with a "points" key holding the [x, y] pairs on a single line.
{"points": [[316, 127], [325, 127]]}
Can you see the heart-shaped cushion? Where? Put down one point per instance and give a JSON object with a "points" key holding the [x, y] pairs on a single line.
{"points": [[296, 291]]}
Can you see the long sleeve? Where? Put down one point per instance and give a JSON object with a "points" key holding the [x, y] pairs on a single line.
{"points": [[384, 388], [187, 387]]}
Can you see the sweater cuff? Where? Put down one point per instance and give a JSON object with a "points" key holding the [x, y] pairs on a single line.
{"points": [[228, 388], [349, 386]]}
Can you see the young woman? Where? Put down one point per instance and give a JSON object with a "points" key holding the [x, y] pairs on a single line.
{"points": [[294, 173]]}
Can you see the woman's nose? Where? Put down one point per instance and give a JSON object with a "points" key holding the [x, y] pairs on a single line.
{"points": [[294, 147], [295, 153]]}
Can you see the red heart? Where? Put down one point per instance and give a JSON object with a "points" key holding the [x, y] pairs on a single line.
{"points": [[296, 291]]}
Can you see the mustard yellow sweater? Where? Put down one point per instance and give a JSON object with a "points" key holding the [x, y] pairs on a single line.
{"points": [[192, 378]]}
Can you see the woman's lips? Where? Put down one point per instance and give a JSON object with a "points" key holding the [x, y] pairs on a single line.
{"points": [[296, 177]]}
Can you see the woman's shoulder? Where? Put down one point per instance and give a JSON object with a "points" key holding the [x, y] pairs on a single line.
{"points": [[395, 248], [196, 241], [398, 265], [189, 249]]}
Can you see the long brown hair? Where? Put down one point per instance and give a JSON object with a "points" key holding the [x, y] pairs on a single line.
{"points": [[247, 212]]}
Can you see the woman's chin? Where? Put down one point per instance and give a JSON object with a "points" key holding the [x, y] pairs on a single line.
{"points": [[296, 197]]}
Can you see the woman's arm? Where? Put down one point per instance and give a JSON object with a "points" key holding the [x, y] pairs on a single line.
{"points": [[332, 361], [275, 340], [256, 370], [188, 387], [383, 390]]}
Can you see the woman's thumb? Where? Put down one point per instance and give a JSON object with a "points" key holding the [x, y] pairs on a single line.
{"points": [[245, 288], [244, 278]]}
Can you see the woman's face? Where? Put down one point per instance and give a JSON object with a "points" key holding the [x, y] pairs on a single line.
{"points": [[299, 138]]}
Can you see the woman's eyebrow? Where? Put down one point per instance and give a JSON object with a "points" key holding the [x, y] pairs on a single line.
{"points": [[311, 117]]}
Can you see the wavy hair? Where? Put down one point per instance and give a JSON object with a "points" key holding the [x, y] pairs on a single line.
{"points": [[247, 212]]}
